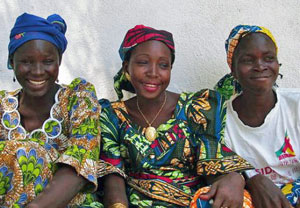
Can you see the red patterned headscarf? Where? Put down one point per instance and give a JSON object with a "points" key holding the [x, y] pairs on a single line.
{"points": [[140, 34], [133, 37]]}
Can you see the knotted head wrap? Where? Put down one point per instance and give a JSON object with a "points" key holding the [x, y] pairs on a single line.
{"points": [[240, 31], [228, 85], [30, 27], [134, 37]]}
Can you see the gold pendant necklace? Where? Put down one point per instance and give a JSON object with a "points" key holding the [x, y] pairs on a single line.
{"points": [[150, 132]]}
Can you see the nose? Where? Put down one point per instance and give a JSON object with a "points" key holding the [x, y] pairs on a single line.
{"points": [[37, 68], [152, 70], [260, 65]]}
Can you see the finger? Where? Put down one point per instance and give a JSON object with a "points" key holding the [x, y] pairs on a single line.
{"points": [[218, 201], [210, 194]]}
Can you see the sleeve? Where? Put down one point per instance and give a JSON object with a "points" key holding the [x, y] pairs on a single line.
{"points": [[82, 110], [207, 117], [111, 147]]}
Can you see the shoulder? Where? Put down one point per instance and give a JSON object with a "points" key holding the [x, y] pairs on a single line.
{"points": [[203, 95], [4, 95], [288, 93], [288, 98], [81, 85], [79, 95], [206, 107]]}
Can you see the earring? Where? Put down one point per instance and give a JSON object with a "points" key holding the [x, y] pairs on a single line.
{"points": [[14, 79], [127, 76], [280, 75], [57, 81]]}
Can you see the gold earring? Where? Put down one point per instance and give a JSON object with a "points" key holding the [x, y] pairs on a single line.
{"points": [[127, 76]]}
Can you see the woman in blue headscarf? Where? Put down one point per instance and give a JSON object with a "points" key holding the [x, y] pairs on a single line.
{"points": [[49, 134]]}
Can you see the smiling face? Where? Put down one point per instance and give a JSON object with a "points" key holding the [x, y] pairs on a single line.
{"points": [[149, 68], [255, 63], [36, 65]]}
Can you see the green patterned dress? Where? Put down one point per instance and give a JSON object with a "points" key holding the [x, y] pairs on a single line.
{"points": [[167, 171], [70, 136]]}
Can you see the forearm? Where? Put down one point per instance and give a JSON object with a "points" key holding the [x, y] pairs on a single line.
{"points": [[63, 187], [114, 190]]}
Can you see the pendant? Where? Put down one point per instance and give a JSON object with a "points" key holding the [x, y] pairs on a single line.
{"points": [[150, 133]]}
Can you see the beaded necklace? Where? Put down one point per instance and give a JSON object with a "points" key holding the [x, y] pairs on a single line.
{"points": [[11, 120]]}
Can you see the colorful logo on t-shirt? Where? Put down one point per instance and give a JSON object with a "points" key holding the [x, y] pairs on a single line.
{"points": [[286, 150]]}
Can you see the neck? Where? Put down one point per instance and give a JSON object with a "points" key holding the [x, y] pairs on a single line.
{"points": [[252, 108], [32, 102], [146, 104]]}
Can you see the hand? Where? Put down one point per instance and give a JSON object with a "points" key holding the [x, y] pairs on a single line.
{"points": [[265, 194], [227, 191]]}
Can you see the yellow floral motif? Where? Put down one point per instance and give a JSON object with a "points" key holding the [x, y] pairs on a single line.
{"points": [[201, 103]]}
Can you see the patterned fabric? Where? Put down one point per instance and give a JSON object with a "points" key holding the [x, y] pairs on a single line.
{"points": [[239, 32], [167, 171], [228, 86], [30, 27], [197, 203], [133, 37], [27, 165], [292, 192]]}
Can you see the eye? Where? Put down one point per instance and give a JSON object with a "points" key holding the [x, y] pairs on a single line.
{"points": [[164, 65], [269, 58], [247, 60], [142, 62], [25, 61], [48, 61]]}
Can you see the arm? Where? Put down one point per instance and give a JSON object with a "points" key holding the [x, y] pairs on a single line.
{"points": [[114, 190], [113, 176], [79, 153], [61, 190], [265, 194]]}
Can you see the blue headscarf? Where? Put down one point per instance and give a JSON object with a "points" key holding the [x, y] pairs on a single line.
{"points": [[30, 27]]}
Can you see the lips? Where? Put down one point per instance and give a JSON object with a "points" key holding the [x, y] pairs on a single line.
{"points": [[150, 87], [34, 82], [261, 77]]}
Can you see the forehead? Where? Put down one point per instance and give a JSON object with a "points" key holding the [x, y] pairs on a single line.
{"points": [[151, 46], [253, 41], [34, 46]]}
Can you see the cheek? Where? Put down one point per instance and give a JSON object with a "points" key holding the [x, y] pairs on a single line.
{"points": [[166, 75]]}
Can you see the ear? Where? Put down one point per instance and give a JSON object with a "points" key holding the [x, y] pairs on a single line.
{"points": [[60, 58], [11, 61], [233, 70], [125, 66]]}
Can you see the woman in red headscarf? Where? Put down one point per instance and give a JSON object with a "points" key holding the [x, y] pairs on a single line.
{"points": [[164, 145]]}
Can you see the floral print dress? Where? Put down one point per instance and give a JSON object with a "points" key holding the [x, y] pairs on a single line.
{"points": [[28, 160], [168, 171]]}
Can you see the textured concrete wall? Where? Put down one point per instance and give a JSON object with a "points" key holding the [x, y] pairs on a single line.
{"points": [[97, 27]]}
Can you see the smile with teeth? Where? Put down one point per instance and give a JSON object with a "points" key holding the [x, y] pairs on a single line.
{"points": [[37, 82], [150, 85]]}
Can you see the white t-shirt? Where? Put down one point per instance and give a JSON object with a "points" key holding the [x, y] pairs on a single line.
{"points": [[274, 147]]}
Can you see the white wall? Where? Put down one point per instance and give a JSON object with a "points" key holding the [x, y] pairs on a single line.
{"points": [[200, 27]]}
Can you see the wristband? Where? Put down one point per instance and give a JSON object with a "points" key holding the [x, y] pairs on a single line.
{"points": [[249, 174], [117, 205]]}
